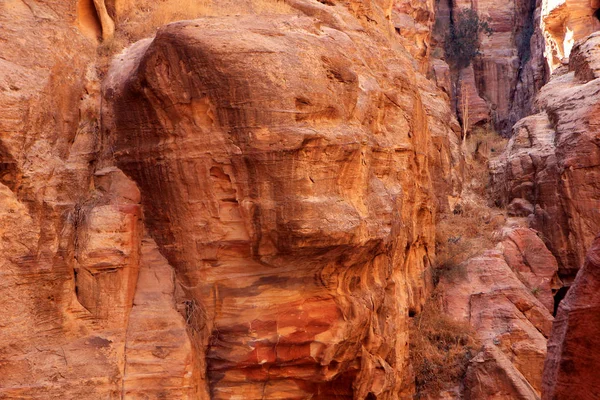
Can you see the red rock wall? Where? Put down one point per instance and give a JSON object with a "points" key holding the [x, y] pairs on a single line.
{"points": [[549, 173], [280, 175], [571, 369], [273, 226], [511, 68], [505, 295], [552, 160]]}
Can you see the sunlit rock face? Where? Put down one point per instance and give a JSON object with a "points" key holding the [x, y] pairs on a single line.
{"points": [[413, 22], [564, 23], [284, 171], [271, 228]]}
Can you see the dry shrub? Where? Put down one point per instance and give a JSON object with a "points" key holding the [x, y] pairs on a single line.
{"points": [[483, 144], [470, 229], [440, 349], [472, 225], [272, 7], [148, 15]]}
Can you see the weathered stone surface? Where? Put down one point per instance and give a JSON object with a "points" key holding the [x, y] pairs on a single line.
{"points": [[492, 375], [565, 22], [571, 369], [511, 68], [286, 178], [158, 350], [469, 105], [413, 21], [552, 161], [289, 169], [511, 323], [441, 74], [533, 263], [51, 346], [520, 208]]}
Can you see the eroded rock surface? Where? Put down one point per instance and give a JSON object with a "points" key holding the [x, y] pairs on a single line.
{"points": [[492, 294], [552, 160], [549, 171], [61, 335], [565, 22], [511, 68], [281, 174], [571, 370]]}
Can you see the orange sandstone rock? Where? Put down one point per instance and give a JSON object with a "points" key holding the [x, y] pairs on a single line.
{"points": [[284, 169]]}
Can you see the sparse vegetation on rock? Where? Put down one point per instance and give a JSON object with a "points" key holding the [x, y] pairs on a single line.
{"points": [[440, 350], [462, 42]]}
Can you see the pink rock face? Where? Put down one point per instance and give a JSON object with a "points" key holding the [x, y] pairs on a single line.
{"points": [[552, 160], [496, 300], [571, 369], [470, 105], [511, 68], [159, 358], [533, 264]]}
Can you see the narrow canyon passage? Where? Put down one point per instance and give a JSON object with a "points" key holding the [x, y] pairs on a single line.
{"points": [[299, 199]]}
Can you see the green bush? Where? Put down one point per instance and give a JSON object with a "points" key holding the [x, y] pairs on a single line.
{"points": [[462, 42]]}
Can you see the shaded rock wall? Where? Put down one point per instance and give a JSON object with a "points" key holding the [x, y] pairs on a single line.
{"points": [[571, 367], [511, 67], [552, 160], [550, 168]]}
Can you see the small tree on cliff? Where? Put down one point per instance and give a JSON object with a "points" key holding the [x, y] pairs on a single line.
{"points": [[462, 42]]}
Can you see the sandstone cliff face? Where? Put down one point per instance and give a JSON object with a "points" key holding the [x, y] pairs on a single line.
{"points": [[53, 215], [564, 23], [549, 174], [511, 68], [505, 294], [281, 176], [250, 215], [571, 367], [552, 160]]}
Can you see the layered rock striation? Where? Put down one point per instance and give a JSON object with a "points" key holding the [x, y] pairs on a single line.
{"points": [[503, 80], [549, 174], [552, 160], [286, 178], [571, 367], [247, 209], [505, 294]]}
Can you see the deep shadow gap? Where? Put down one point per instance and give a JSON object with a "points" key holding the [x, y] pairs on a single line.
{"points": [[558, 297]]}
